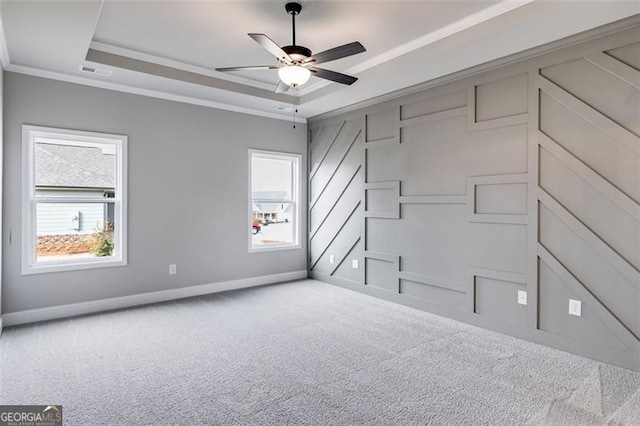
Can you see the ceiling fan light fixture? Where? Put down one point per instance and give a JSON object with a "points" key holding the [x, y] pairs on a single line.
{"points": [[296, 63], [294, 75]]}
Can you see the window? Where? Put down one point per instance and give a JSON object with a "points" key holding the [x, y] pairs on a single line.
{"points": [[274, 216], [73, 200]]}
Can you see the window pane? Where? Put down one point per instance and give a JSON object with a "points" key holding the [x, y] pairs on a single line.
{"points": [[272, 229], [274, 200], [72, 231], [68, 169], [75, 200], [271, 178]]}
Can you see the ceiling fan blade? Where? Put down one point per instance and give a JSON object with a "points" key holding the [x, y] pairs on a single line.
{"points": [[336, 53], [271, 46], [251, 68], [333, 76], [282, 87]]}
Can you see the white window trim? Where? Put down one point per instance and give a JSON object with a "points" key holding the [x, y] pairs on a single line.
{"points": [[29, 233], [295, 200]]}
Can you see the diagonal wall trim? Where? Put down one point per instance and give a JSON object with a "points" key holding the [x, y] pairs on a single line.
{"points": [[593, 116], [313, 136], [628, 338], [346, 255], [594, 241], [615, 67], [321, 253], [316, 167], [335, 170], [603, 186], [313, 233]]}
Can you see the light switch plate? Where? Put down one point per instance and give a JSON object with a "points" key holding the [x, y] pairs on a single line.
{"points": [[172, 269], [355, 264], [522, 297], [575, 307], [332, 259]]}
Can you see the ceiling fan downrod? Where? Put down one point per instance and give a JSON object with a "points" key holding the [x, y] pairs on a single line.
{"points": [[293, 9]]}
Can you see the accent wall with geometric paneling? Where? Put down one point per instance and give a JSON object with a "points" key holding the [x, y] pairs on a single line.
{"points": [[520, 181]]}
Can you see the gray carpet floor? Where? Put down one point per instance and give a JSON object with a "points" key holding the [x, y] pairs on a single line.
{"points": [[302, 353]]}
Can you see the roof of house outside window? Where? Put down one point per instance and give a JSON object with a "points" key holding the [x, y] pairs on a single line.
{"points": [[268, 195], [69, 166]]}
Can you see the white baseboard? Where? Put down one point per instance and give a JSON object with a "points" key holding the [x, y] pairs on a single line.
{"points": [[73, 309]]}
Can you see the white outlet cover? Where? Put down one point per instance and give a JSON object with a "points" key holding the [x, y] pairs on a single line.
{"points": [[355, 263], [332, 259], [522, 297], [575, 307], [172, 269]]}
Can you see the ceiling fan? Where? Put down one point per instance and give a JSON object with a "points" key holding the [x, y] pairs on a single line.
{"points": [[297, 63]]}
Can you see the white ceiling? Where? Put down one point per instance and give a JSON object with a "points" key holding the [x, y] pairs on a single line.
{"points": [[169, 49]]}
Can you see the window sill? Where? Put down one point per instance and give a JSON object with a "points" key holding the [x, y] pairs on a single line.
{"points": [[274, 248], [44, 268]]}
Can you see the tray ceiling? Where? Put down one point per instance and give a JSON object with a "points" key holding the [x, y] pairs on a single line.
{"points": [[169, 49]]}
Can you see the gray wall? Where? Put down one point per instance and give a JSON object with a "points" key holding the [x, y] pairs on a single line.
{"points": [[1, 177], [187, 191], [525, 177]]}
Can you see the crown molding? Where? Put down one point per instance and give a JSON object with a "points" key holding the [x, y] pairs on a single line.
{"points": [[607, 29], [4, 51], [36, 72], [505, 6]]}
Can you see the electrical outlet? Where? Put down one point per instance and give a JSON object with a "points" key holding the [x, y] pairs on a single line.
{"points": [[522, 297], [173, 269], [332, 259], [575, 307], [355, 264]]}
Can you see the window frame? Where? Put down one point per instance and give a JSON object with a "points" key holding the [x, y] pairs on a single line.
{"points": [[296, 160], [30, 265]]}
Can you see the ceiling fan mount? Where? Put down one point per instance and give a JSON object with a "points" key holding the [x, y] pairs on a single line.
{"points": [[293, 8], [295, 64]]}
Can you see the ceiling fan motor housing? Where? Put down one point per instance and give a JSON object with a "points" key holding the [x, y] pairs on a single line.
{"points": [[297, 53]]}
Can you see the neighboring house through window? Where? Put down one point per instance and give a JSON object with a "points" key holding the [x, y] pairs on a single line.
{"points": [[274, 181], [74, 200]]}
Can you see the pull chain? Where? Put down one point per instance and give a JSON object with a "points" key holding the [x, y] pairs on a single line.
{"points": [[295, 111]]}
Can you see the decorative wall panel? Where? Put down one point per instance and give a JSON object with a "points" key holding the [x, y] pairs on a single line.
{"points": [[522, 178]]}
